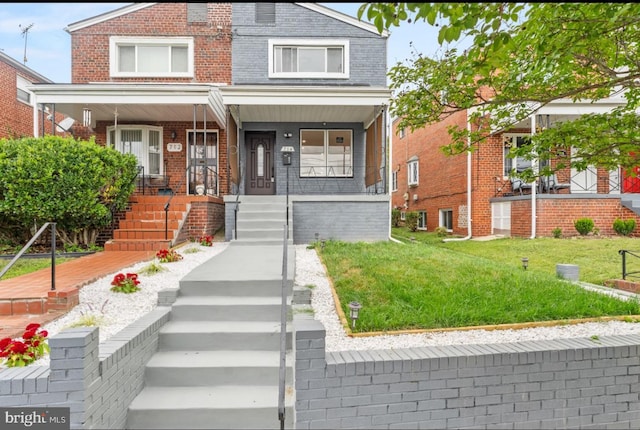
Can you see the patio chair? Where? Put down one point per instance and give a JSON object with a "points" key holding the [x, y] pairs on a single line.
{"points": [[517, 185], [551, 184]]}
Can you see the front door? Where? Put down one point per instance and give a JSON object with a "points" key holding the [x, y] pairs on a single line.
{"points": [[260, 166]]}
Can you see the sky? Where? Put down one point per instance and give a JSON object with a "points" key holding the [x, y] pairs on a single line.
{"points": [[48, 45]]}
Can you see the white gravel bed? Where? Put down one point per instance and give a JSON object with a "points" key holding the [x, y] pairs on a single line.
{"points": [[310, 271], [117, 310]]}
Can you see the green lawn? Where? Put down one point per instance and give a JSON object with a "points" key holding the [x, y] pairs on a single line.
{"points": [[428, 284], [27, 265]]}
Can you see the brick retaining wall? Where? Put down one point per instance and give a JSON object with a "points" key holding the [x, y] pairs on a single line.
{"points": [[570, 383]]}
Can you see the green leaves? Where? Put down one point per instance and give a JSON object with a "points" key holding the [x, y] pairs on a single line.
{"points": [[74, 183]]}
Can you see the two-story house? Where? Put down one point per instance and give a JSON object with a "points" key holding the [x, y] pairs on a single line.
{"points": [[474, 194], [224, 101], [17, 106]]}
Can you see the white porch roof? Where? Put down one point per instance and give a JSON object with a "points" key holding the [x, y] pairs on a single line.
{"points": [[267, 103], [133, 101]]}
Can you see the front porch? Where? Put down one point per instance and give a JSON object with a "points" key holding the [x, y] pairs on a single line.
{"points": [[512, 215]]}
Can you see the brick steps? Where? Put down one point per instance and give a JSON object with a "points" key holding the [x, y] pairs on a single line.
{"points": [[143, 227]]}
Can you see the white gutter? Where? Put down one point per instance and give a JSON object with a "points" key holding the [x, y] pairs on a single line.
{"points": [[468, 236], [533, 184]]}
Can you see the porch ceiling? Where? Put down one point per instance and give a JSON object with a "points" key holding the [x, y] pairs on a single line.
{"points": [[134, 102], [304, 104]]}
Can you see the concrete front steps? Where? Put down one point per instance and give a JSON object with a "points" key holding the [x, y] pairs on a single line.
{"points": [[262, 219], [144, 227], [218, 359]]}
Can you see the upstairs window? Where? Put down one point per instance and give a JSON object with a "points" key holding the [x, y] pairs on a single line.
{"points": [[412, 170], [151, 57], [394, 180], [197, 13], [265, 13], [324, 58], [24, 95]]}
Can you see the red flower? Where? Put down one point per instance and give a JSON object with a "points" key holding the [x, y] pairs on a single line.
{"points": [[33, 326], [4, 343], [18, 347], [28, 334], [44, 333]]}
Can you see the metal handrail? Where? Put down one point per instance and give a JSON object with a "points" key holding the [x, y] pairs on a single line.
{"points": [[28, 245], [625, 274], [283, 330]]}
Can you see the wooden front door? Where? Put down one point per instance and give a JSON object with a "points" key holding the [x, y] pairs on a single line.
{"points": [[260, 165]]}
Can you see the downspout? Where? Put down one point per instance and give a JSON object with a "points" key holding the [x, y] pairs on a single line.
{"points": [[533, 185], [468, 236], [35, 116]]}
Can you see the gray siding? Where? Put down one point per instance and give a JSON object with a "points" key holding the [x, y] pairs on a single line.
{"points": [[367, 53]]}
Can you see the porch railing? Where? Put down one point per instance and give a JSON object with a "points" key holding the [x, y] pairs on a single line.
{"points": [[155, 181], [28, 245], [625, 273]]}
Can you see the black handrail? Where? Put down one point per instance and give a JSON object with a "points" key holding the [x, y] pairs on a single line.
{"points": [[625, 274], [283, 329], [28, 245]]}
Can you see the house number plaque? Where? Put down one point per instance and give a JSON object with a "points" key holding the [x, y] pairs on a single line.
{"points": [[174, 147]]}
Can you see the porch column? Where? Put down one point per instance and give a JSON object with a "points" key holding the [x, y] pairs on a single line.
{"points": [[534, 166]]}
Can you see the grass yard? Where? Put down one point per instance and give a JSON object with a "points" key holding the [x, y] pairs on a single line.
{"points": [[27, 265], [428, 284]]}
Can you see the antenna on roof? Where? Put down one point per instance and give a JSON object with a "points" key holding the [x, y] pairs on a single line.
{"points": [[25, 30]]}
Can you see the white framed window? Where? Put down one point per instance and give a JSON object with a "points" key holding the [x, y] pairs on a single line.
{"points": [[413, 171], [302, 58], [151, 56], [326, 153], [402, 133], [394, 181], [446, 219], [518, 163], [403, 216], [144, 141], [23, 94], [422, 220]]}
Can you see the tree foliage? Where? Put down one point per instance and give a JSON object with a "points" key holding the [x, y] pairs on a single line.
{"points": [[74, 183], [521, 57]]}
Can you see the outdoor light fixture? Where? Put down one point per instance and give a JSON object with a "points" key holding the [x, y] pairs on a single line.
{"points": [[525, 263], [354, 308], [317, 236], [173, 135], [288, 135]]}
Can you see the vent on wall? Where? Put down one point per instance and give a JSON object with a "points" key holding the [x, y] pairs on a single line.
{"points": [[265, 13]]}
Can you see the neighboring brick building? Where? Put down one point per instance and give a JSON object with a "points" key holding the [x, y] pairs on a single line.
{"points": [[473, 195], [17, 101]]}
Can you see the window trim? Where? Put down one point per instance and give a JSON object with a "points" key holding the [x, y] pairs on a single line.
{"points": [[421, 215], [514, 161], [413, 161], [318, 43], [442, 213], [21, 85], [145, 141], [116, 41], [326, 132], [394, 180]]}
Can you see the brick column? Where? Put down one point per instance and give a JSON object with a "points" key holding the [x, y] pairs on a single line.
{"points": [[310, 370]]}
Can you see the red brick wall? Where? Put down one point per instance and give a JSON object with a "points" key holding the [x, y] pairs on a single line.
{"points": [[212, 46], [16, 117], [561, 213]]}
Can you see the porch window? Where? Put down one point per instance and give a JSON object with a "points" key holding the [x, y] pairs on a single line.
{"points": [[446, 219], [422, 220], [517, 163], [323, 58], [326, 153], [151, 56], [412, 171], [203, 159], [144, 142], [394, 181]]}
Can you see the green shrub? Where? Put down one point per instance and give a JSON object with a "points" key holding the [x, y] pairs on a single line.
{"points": [[77, 183], [557, 232], [441, 231], [584, 226], [411, 220], [395, 217], [624, 227]]}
